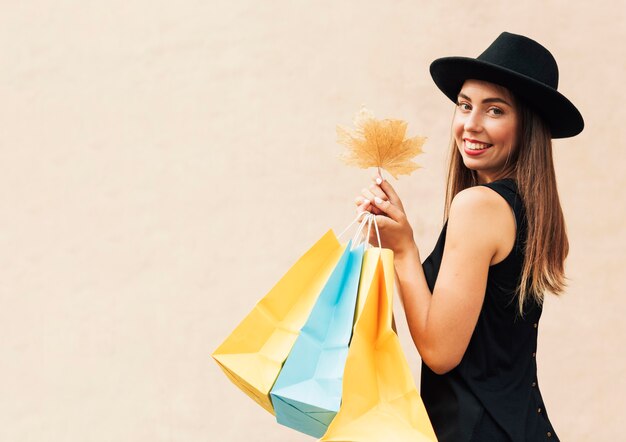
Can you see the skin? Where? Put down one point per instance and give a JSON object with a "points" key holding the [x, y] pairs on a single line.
{"points": [[485, 113], [480, 233]]}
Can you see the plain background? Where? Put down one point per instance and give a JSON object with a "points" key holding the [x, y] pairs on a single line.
{"points": [[164, 163]]}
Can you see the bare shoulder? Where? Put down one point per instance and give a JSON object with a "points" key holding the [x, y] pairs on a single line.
{"points": [[481, 216], [477, 202]]}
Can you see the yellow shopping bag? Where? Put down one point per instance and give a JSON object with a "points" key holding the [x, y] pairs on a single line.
{"points": [[379, 400], [254, 353]]}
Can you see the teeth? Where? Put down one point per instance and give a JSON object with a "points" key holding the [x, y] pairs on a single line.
{"points": [[476, 146]]}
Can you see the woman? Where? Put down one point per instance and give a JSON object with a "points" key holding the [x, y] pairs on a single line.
{"points": [[473, 306]]}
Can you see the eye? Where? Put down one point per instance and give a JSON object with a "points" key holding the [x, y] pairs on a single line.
{"points": [[496, 111], [464, 106]]}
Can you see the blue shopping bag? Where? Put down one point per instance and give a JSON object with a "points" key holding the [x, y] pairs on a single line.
{"points": [[307, 393]]}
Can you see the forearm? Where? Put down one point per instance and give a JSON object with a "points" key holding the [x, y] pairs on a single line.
{"points": [[415, 295]]}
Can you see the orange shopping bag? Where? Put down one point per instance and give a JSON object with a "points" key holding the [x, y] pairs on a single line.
{"points": [[379, 400]]}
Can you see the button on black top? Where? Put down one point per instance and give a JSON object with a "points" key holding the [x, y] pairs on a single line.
{"points": [[492, 394]]}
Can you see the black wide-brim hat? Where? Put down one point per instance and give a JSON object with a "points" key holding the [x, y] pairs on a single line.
{"points": [[524, 67]]}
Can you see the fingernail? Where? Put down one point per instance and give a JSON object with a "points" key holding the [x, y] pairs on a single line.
{"points": [[378, 200], [378, 181], [366, 201]]}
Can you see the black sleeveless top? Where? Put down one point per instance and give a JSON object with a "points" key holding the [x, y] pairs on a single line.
{"points": [[493, 394]]}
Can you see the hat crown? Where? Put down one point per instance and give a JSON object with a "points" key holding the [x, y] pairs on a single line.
{"points": [[525, 68], [523, 55]]}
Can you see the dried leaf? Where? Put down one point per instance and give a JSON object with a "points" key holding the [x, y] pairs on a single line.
{"points": [[380, 143]]}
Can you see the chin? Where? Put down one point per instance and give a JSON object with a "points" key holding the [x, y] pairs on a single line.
{"points": [[469, 163]]}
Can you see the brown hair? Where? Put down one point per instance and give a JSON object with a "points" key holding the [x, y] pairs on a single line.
{"points": [[532, 167]]}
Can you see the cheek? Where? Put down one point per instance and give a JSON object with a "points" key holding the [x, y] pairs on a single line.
{"points": [[503, 134], [511, 137], [457, 126]]}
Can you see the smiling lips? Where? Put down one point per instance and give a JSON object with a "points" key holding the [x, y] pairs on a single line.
{"points": [[474, 147]]}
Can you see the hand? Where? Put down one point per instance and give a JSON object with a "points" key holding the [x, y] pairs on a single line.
{"points": [[364, 202], [383, 201]]}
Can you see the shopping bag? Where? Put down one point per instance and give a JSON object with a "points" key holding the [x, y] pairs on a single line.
{"points": [[379, 399], [307, 393], [253, 354]]}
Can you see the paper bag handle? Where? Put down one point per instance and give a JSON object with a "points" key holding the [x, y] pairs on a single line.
{"points": [[369, 218]]}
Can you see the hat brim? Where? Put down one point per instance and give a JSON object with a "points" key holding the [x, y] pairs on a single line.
{"points": [[564, 120]]}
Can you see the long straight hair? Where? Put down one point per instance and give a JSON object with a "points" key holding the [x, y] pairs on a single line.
{"points": [[531, 166]]}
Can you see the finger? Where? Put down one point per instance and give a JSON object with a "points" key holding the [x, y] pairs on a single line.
{"points": [[373, 237], [377, 178], [376, 210], [363, 207], [377, 191], [364, 204], [359, 200], [367, 194], [367, 206], [370, 197], [372, 192], [394, 212], [391, 193], [384, 184]]}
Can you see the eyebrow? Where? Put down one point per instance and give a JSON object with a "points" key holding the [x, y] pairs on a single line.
{"points": [[486, 100]]}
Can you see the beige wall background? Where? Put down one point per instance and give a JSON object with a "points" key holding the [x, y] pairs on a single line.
{"points": [[164, 163]]}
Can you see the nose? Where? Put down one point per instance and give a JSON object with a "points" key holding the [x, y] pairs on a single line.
{"points": [[473, 122]]}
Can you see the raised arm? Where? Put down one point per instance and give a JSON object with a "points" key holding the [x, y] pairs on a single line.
{"points": [[441, 323]]}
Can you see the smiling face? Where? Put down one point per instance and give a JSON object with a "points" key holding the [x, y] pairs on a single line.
{"points": [[485, 128]]}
